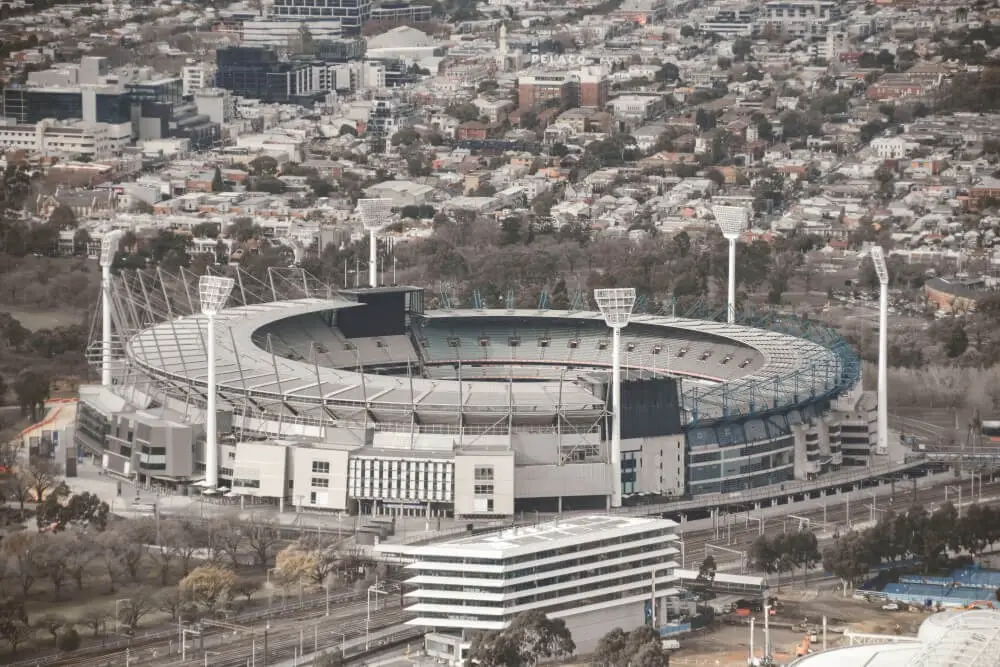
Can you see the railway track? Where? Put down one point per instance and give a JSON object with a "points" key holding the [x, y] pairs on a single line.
{"points": [[98, 656]]}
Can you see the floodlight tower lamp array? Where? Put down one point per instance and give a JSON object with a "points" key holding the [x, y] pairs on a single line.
{"points": [[374, 214], [732, 220]]}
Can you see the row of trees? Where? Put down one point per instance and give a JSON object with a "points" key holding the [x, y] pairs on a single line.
{"points": [[783, 553], [927, 537], [532, 637]]}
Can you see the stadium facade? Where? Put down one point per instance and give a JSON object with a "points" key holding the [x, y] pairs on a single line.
{"points": [[363, 400]]}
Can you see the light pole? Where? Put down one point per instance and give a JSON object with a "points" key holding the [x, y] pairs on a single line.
{"points": [[616, 307], [878, 259], [213, 292], [373, 215], [109, 246], [732, 220], [376, 590]]}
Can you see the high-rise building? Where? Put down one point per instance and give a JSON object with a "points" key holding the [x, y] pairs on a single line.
{"points": [[257, 73]]}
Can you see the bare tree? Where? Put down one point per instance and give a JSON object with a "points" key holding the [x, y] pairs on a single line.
{"points": [[262, 537], [54, 559], [43, 474], [78, 558], [21, 548], [184, 539], [173, 601], [225, 538], [141, 601]]}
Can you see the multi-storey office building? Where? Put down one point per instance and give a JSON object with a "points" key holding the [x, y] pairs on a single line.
{"points": [[595, 572], [352, 14]]}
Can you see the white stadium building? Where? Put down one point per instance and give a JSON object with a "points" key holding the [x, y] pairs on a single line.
{"points": [[362, 400]]}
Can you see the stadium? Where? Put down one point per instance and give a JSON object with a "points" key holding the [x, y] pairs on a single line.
{"points": [[366, 400]]}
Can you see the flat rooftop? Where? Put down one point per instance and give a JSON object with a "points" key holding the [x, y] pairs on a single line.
{"points": [[529, 539]]}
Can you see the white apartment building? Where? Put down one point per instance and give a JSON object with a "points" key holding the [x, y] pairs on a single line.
{"points": [[800, 18], [50, 137], [639, 107], [196, 77], [595, 572], [893, 148]]}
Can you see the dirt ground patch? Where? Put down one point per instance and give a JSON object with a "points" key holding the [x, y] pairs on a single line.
{"points": [[729, 645], [44, 319]]}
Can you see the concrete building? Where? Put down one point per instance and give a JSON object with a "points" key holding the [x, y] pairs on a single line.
{"points": [[595, 572], [800, 18], [196, 77], [50, 138]]}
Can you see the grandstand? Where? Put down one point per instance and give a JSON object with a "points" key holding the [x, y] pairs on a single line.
{"points": [[961, 588], [431, 412]]}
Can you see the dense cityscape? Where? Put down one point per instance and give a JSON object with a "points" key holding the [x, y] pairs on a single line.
{"points": [[623, 333]]}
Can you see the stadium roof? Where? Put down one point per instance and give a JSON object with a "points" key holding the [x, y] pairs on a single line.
{"points": [[967, 639], [175, 351]]}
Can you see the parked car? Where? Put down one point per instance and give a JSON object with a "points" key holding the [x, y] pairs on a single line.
{"points": [[890, 606]]}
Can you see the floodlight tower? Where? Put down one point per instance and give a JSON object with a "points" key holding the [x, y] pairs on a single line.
{"points": [[373, 215], [109, 246], [878, 259], [213, 291], [732, 220], [616, 307]]}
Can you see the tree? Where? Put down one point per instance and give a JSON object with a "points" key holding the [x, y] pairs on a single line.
{"points": [[218, 185], [95, 618], [262, 536], [14, 626], [741, 48], [141, 601], [264, 165], [32, 389], [611, 649], [529, 638], [707, 571], [62, 217], [668, 73], [69, 641], [84, 509], [81, 242], [464, 112], [209, 585], [43, 474], [407, 136], [560, 296], [687, 31], [650, 654], [347, 129], [21, 549]]}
